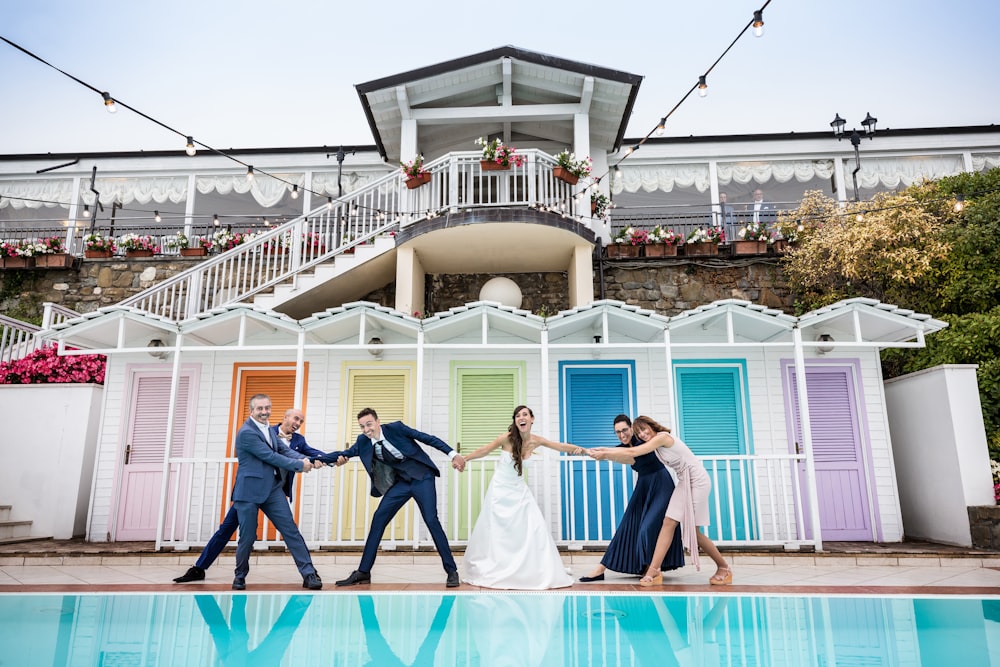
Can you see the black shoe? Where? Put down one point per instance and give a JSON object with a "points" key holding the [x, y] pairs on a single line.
{"points": [[312, 582], [596, 577], [357, 577], [453, 580], [239, 584], [194, 573]]}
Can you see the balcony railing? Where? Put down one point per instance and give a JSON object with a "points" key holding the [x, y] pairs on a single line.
{"points": [[18, 339]]}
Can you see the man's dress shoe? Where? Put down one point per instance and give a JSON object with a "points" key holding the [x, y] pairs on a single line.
{"points": [[453, 580], [194, 573], [357, 577], [312, 582], [239, 584]]}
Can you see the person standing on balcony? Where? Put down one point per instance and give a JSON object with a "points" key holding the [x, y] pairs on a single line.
{"points": [[689, 504], [287, 432], [726, 217], [400, 470], [631, 549], [511, 546], [264, 464], [759, 210]]}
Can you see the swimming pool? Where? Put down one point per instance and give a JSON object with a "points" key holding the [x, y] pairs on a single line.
{"points": [[520, 629]]}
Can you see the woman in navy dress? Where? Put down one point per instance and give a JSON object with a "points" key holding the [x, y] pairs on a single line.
{"points": [[635, 539]]}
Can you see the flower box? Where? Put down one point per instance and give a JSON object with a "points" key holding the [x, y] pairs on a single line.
{"points": [[660, 250], [780, 246], [133, 254], [59, 260], [489, 165], [566, 175], [18, 262], [701, 249], [416, 181], [621, 250], [97, 254], [194, 252], [749, 247]]}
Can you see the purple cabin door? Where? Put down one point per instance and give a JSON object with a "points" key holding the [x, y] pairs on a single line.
{"points": [[841, 481]]}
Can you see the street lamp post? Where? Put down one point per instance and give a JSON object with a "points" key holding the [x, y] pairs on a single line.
{"points": [[868, 124]]}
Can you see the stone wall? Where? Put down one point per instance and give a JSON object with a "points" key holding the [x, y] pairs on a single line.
{"points": [[666, 286], [984, 521]]}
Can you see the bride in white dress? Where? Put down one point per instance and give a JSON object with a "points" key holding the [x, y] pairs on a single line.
{"points": [[511, 546]]}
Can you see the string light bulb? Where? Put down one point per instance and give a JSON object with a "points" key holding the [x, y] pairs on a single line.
{"points": [[860, 216], [660, 128], [190, 149], [959, 203], [702, 86], [156, 216], [758, 23], [295, 192], [109, 103], [329, 203], [215, 219], [86, 210], [250, 173]]}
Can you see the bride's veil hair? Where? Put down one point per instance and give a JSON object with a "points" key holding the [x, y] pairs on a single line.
{"points": [[650, 423], [515, 437]]}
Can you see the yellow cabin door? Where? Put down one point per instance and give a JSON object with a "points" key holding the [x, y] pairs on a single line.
{"points": [[388, 392], [278, 382]]}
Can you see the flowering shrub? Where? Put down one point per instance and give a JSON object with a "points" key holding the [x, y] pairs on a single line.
{"points": [[414, 168], [660, 235], [754, 231], [631, 236], [227, 240], [579, 168], [137, 242], [97, 242], [181, 240], [52, 245], [496, 151], [599, 204], [45, 366], [995, 467], [707, 235], [8, 249], [312, 240]]}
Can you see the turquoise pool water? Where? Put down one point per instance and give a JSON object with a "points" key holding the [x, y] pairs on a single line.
{"points": [[496, 629]]}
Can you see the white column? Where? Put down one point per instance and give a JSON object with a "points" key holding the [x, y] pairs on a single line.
{"points": [[581, 277], [409, 281]]}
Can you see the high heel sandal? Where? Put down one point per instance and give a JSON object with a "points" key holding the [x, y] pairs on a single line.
{"points": [[653, 581], [720, 579]]}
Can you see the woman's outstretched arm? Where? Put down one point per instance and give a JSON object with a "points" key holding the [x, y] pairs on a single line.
{"points": [[486, 449], [558, 446], [661, 439]]}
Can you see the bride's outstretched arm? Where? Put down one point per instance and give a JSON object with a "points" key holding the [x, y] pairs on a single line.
{"points": [[486, 449]]}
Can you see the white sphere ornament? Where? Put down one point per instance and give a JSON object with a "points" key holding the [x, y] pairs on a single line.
{"points": [[503, 290]]}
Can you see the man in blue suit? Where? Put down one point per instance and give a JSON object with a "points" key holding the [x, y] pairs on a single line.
{"points": [[399, 469], [264, 464], [287, 433]]}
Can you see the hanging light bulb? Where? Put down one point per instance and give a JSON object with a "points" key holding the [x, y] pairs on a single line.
{"points": [[295, 192], [215, 219], [86, 210], [250, 173], [860, 216], [329, 203], [660, 127], [156, 216], [109, 103], [190, 149], [702, 86], [758, 23], [959, 203]]}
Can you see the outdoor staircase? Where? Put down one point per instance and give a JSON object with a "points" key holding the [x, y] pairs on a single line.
{"points": [[14, 531]]}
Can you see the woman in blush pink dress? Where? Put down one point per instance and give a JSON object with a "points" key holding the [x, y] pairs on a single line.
{"points": [[689, 504]]}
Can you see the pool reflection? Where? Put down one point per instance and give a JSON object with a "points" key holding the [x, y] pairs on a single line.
{"points": [[496, 629]]}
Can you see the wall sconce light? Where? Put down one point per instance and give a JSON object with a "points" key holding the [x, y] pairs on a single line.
{"points": [[824, 338], [375, 351], [596, 352], [157, 354]]}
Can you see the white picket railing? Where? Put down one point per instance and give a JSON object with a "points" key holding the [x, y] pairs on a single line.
{"points": [[457, 182], [756, 500], [19, 339]]}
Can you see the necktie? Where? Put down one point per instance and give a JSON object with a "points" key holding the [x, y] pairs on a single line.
{"points": [[378, 451]]}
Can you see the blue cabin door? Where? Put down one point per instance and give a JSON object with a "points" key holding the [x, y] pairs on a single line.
{"points": [[715, 422], [594, 493]]}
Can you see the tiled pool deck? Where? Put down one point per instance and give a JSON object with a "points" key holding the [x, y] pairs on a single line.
{"points": [[848, 568]]}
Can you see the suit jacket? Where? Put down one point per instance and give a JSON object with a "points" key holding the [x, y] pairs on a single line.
{"points": [[405, 439], [258, 463], [299, 444]]}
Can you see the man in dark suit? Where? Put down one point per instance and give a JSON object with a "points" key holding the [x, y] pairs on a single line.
{"points": [[264, 464], [399, 469], [287, 432]]}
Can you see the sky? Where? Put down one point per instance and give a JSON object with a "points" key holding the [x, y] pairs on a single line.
{"points": [[254, 74]]}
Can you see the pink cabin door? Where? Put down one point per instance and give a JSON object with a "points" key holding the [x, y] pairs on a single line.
{"points": [[842, 483], [142, 454]]}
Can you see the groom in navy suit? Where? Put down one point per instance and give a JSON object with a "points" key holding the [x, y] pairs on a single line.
{"points": [[264, 464], [399, 469]]}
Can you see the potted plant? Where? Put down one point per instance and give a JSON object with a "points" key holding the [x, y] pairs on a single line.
{"points": [[662, 242], [312, 243], [414, 173], [96, 246], [752, 239], [627, 242], [599, 204], [51, 253], [136, 245], [569, 169], [497, 156], [704, 241], [198, 248]]}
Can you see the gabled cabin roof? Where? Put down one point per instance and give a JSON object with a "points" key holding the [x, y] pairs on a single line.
{"points": [[456, 101]]}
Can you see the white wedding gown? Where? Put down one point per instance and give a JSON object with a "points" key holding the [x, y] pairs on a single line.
{"points": [[511, 546]]}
